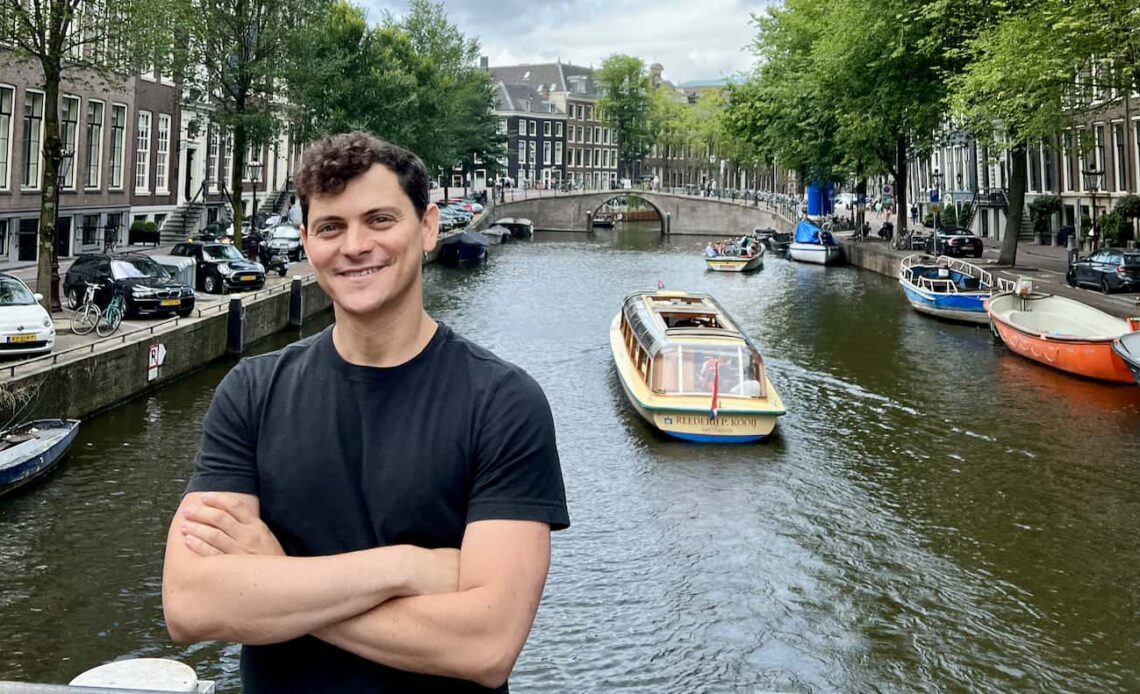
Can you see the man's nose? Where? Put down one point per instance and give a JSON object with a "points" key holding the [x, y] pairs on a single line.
{"points": [[357, 240]]}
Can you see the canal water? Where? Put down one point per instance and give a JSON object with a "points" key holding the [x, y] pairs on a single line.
{"points": [[933, 513]]}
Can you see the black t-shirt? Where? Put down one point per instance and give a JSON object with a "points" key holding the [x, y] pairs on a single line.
{"points": [[346, 457]]}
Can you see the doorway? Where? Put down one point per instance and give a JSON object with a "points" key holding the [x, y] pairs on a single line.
{"points": [[27, 239], [188, 193]]}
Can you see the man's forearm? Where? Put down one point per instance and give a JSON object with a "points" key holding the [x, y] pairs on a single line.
{"points": [[462, 635], [267, 599]]}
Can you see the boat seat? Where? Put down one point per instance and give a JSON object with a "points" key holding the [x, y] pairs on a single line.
{"points": [[970, 283]]}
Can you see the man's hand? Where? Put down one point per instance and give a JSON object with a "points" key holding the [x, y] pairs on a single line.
{"points": [[223, 526]]}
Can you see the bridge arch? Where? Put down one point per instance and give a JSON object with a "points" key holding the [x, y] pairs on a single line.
{"points": [[661, 215]]}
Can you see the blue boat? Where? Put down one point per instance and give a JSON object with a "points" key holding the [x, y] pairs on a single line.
{"points": [[949, 288], [814, 245], [466, 248], [33, 449]]}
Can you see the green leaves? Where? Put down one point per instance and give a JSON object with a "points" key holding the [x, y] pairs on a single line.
{"points": [[625, 105]]}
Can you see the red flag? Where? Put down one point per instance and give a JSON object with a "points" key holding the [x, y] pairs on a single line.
{"points": [[660, 284], [716, 387]]}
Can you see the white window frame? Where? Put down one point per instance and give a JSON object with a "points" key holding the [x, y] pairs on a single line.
{"points": [[557, 153], [38, 148], [213, 157], [1119, 163], [142, 151], [545, 154], [502, 126], [6, 171], [522, 126], [93, 144], [1136, 151], [162, 155], [546, 128], [522, 152], [121, 165], [69, 142], [531, 154], [532, 128], [558, 129]]}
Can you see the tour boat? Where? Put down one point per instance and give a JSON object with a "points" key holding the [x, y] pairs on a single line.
{"points": [[689, 371], [1061, 333], [726, 263], [1127, 348], [948, 288], [520, 228], [32, 449], [813, 245]]}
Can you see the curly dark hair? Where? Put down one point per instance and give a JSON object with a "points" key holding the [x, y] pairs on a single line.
{"points": [[329, 164]]}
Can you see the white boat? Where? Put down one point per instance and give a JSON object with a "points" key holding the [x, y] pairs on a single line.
{"points": [[813, 245]]}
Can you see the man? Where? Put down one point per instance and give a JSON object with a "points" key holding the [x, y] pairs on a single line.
{"points": [[294, 213], [371, 507]]}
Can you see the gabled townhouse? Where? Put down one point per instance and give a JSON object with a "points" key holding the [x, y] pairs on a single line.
{"points": [[535, 130]]}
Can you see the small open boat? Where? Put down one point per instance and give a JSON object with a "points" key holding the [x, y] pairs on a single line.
{"points": [[689, 371], [466, 248], [33, 449], [740, 255], [496, 234], [1128, 349], [1061, 333], [948, 288], [604, 219], [814, 245], [520, 228]]}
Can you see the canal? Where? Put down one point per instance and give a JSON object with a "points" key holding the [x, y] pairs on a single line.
{"points": [[934, 512]]}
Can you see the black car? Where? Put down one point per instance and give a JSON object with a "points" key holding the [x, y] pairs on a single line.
{"points": [[954, 241], [1109, 269], [220, 266], [147, 288]]}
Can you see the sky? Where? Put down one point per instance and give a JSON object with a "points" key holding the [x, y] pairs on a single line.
{"points": [[692, 39]]}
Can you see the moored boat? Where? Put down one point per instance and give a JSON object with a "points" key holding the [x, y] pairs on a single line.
{"points": [[496, 234], [1061, 333], [604, 219], [948, 288], [1127, 348], [814, 245], [466, 248], [32, 449], [689, 371], [520, 228], [742, 254], [725, 263]]}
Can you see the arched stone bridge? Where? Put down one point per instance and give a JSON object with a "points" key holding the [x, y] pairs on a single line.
{"points": [[680, 214]]}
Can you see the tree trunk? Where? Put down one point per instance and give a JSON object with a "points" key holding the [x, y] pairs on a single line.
{"points": [[900, 191], [240, 145], [1017, 181], [49, 164]]}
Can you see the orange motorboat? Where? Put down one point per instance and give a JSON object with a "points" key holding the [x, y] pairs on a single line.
{"points": [[1061, 333]]}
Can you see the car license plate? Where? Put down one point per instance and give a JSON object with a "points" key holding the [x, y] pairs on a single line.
{"points": [[171, 302], [248, 278], [15, 339]]}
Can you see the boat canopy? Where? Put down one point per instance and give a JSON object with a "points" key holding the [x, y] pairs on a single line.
{"points": [[807, 232], [699, 368]]}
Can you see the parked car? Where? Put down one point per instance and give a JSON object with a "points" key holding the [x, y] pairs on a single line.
{"points": [[285, 239], [219, 266], [25, 327], [147, 288], [954, 241], [1109, 269]]}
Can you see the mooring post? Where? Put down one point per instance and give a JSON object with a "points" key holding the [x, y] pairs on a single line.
{"points": [[589, 223], [668, 223], [295, 297], [235, 327]]}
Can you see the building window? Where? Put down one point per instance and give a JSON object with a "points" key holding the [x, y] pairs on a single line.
{"points": [[558, 154], [33, 135], [1048, 165], [112, 230], [7, 95], [545, 153], [605, 136], [89, 229], [589, 136], [574, 111], [1066, 169], [68, 134], [212, 157], [589, 113], [118, 145], [227, 167], [532, 154], [142, 153], [533, 128], [1118, 155], [3, 238], [522, 152], [163, 154], [1136, 140], [546, 128], [597, 158], [522, 127], [558, 129], [94, 143], [597, 134], [502, 126]]}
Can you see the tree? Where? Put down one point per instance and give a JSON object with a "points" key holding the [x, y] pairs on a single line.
{"points": [[625, 107], [70, 35]]}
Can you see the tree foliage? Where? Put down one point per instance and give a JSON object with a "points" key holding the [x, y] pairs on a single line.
{"points": [[625, 107]]}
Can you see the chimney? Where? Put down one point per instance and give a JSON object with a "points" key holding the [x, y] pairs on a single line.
{"points": [[483, 63]]}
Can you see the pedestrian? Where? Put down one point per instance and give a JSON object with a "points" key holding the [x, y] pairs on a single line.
{"points": [[914, 213], [294, 214], [342, 481]]}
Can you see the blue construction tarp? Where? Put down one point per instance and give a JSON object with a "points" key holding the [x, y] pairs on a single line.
{"points": [[807, 232]]}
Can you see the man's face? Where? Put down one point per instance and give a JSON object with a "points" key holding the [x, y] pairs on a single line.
{"points": [[366, 243]]}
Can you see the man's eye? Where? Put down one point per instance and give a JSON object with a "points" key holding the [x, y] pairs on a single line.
{"points": [[382, 219], [325, 228]]}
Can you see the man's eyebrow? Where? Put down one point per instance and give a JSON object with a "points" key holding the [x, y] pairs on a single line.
{"points": [[327, 218], [392, 209]]}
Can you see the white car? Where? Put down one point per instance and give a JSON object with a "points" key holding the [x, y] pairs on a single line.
{"points": [[25, 327]]}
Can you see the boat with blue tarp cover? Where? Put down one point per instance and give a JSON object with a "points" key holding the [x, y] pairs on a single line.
{"points": [[949, 288], [466, 248], [811, 244]]}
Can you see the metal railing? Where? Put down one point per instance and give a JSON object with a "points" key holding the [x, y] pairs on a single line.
{"points": [[940, 285]]}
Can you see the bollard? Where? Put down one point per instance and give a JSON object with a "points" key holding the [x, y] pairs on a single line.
{"points": [[235, 327], [296, 316], [589, 223], [668, 223]]}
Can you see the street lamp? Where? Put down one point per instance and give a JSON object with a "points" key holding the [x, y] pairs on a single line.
{"points": [[1092, 174], [936, 177], [253, 173], [63, 164]]}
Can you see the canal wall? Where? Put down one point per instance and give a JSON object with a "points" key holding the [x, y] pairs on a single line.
{"points": [[89, 379], [873, 256]]}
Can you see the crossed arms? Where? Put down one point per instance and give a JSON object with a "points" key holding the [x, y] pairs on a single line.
{"points": [[463, 614]]}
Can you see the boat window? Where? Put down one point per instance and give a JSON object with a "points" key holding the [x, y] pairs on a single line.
{"points": [[690, 320], [693, 369]]}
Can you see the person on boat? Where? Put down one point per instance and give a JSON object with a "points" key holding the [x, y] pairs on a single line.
{"points": [[370, 507], [710, 251]]}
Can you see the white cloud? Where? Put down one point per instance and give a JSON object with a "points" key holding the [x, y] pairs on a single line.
{"points": [[703, 39]]}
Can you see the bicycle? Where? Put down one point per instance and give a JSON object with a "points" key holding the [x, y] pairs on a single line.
{"points": [[112, 316], [87, 315]]}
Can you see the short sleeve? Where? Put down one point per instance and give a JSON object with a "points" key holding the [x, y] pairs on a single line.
{"points": [[518, 475], [226, 460]]}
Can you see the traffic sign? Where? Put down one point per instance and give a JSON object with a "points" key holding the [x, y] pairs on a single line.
{"points": [[887, 190], [934, 195], [935, 208], [156, 356]]}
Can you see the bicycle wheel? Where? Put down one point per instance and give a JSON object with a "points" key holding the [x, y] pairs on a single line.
{"points": [[85, 319], [112, 317]]}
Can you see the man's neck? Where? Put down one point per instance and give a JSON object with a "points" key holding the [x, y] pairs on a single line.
{"points": [[384, 340]]}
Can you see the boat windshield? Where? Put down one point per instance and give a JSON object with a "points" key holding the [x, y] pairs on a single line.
{"points": [[691, 369]]}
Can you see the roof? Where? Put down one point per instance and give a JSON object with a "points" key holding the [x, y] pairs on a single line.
{"points": [[521, 97], [556, 77]]}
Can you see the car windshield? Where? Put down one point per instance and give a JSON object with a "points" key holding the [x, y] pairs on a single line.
{"points": [[14, 293], [135, 268], [957, 231], [288, 233], [221, 252], [1132, 259]]}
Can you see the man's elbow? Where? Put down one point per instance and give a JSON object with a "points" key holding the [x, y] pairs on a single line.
{"points": [[495, 660], [182, 624]]}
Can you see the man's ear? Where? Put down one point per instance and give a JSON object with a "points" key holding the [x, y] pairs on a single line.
{"points": [[430, 227]]}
